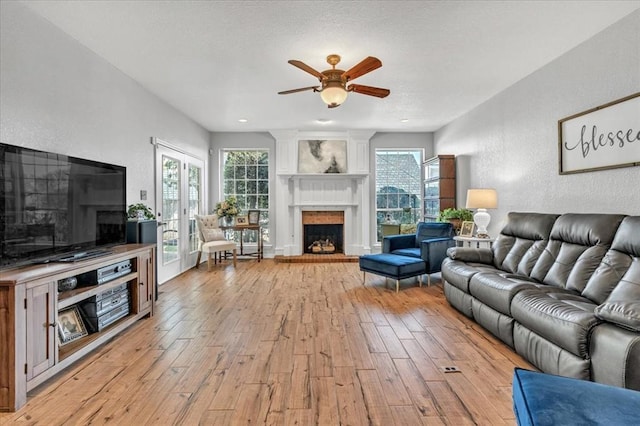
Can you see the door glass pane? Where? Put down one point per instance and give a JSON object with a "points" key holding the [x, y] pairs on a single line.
{"points": [[195, 197], [170, 209]]}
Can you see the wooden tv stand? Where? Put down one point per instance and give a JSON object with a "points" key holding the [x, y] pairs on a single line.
{"points": [[30, 343]]}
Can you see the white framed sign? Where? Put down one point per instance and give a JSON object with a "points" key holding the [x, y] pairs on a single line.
{"points": [[604, 137]]}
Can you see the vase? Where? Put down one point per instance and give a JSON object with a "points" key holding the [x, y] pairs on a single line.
{"points": [[227, 220]]}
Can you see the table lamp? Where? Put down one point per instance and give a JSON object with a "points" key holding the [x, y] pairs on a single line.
{"points": [[482, 199]]}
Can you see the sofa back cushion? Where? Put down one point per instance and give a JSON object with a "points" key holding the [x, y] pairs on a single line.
{"points": [[521, 241], [577, 245], [427, 230], [620, 265]]}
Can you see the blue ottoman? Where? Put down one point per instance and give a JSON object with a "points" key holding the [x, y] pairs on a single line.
{"points": [[393, 266], [544, 399]]}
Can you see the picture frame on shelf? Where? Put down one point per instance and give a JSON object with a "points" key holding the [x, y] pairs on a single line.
{"points": [[70, 325], [467, 229], [254, 217], [242, 221]]}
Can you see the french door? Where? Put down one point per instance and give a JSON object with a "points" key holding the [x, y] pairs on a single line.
{"points": [[179, 197]]}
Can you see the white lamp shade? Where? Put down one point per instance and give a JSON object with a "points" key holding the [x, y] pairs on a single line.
{"points": [[333, 94], [482, 198]]}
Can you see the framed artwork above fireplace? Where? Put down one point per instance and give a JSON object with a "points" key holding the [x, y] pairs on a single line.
{"points": [[322, 156]]}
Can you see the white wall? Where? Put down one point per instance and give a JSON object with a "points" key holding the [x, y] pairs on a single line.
{"points": [[58, 96], [510, 142]]}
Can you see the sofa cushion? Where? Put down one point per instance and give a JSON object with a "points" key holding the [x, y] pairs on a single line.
{"points": [[428, 230], [626, 314], [497, 291], [522, 241], [619, 265], [458, 273], [563, 317], [577, 244], [410, 252]]}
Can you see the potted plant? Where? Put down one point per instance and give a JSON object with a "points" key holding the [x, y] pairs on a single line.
{"points": [[140, 211], [455, 216]]}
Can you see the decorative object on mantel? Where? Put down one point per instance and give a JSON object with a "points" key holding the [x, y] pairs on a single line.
{"points": [[322, 156], [455, 217], [140, 212], [227, 210], [334, 89], [482, 199], [601, 138]]}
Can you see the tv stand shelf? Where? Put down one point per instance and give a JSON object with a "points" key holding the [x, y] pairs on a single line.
{"points": [[31, 349], [71, 297]]}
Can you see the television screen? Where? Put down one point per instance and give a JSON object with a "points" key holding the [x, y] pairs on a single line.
{"points": [[53, 205]]}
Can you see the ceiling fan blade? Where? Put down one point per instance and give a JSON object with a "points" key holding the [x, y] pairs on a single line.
{"points": [[286, 92], [368, 64], [368, 90], [307, 68]]}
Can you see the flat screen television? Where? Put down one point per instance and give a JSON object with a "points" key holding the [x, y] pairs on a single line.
{"points": [[55, 207]]}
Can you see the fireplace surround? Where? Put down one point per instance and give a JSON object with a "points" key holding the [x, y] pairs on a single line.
{"points": [[346, 194]]}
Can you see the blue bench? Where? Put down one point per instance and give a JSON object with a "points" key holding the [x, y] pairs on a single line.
{"points": [[545, 399], [393, 266]]}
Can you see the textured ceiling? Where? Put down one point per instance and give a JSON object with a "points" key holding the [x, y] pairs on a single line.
{"points": [[220, 61]]}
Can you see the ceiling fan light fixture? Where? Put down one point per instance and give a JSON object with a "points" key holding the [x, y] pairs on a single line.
{"points": [[333, 94]]}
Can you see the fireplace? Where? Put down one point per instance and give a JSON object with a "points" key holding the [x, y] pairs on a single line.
{"points": [[323, 232], [323, 239]]}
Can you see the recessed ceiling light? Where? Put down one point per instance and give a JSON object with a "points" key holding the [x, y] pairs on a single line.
{"points": [[323, 120], [404, 120], [242, 120]]}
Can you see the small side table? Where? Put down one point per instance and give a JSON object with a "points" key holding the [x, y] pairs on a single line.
{"points": [[474, 242], [259, 244]]}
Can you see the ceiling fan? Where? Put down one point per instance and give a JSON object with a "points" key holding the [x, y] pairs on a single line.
{"points": [[333, 89]]}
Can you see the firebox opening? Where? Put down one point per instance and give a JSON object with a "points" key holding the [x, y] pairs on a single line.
{"points": [[323, 239]]}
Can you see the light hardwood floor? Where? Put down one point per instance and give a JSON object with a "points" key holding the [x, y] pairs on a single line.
{"points": [[282, 344]]}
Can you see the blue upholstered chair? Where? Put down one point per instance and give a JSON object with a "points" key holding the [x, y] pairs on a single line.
{"points": [[429, 243]]}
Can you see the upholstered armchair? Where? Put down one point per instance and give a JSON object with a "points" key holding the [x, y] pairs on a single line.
{"points": [[429, 243], [212, 240]]}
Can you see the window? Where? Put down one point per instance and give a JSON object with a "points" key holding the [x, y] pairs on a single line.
{"points": [[398, 186], [245, 175]]}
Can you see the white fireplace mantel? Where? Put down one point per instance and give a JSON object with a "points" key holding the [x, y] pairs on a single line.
{"points": [[308, 176]]}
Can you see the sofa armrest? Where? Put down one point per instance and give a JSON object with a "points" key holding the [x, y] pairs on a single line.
{"points": [[468, 254], [626, 313], [397, 242], [433, 251], [615, 356]]}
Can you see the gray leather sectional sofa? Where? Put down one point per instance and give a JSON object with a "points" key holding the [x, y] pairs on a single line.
{"points": [[562, 290]]}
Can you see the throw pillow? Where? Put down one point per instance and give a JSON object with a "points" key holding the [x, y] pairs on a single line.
{"points": [[213, 234]]}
